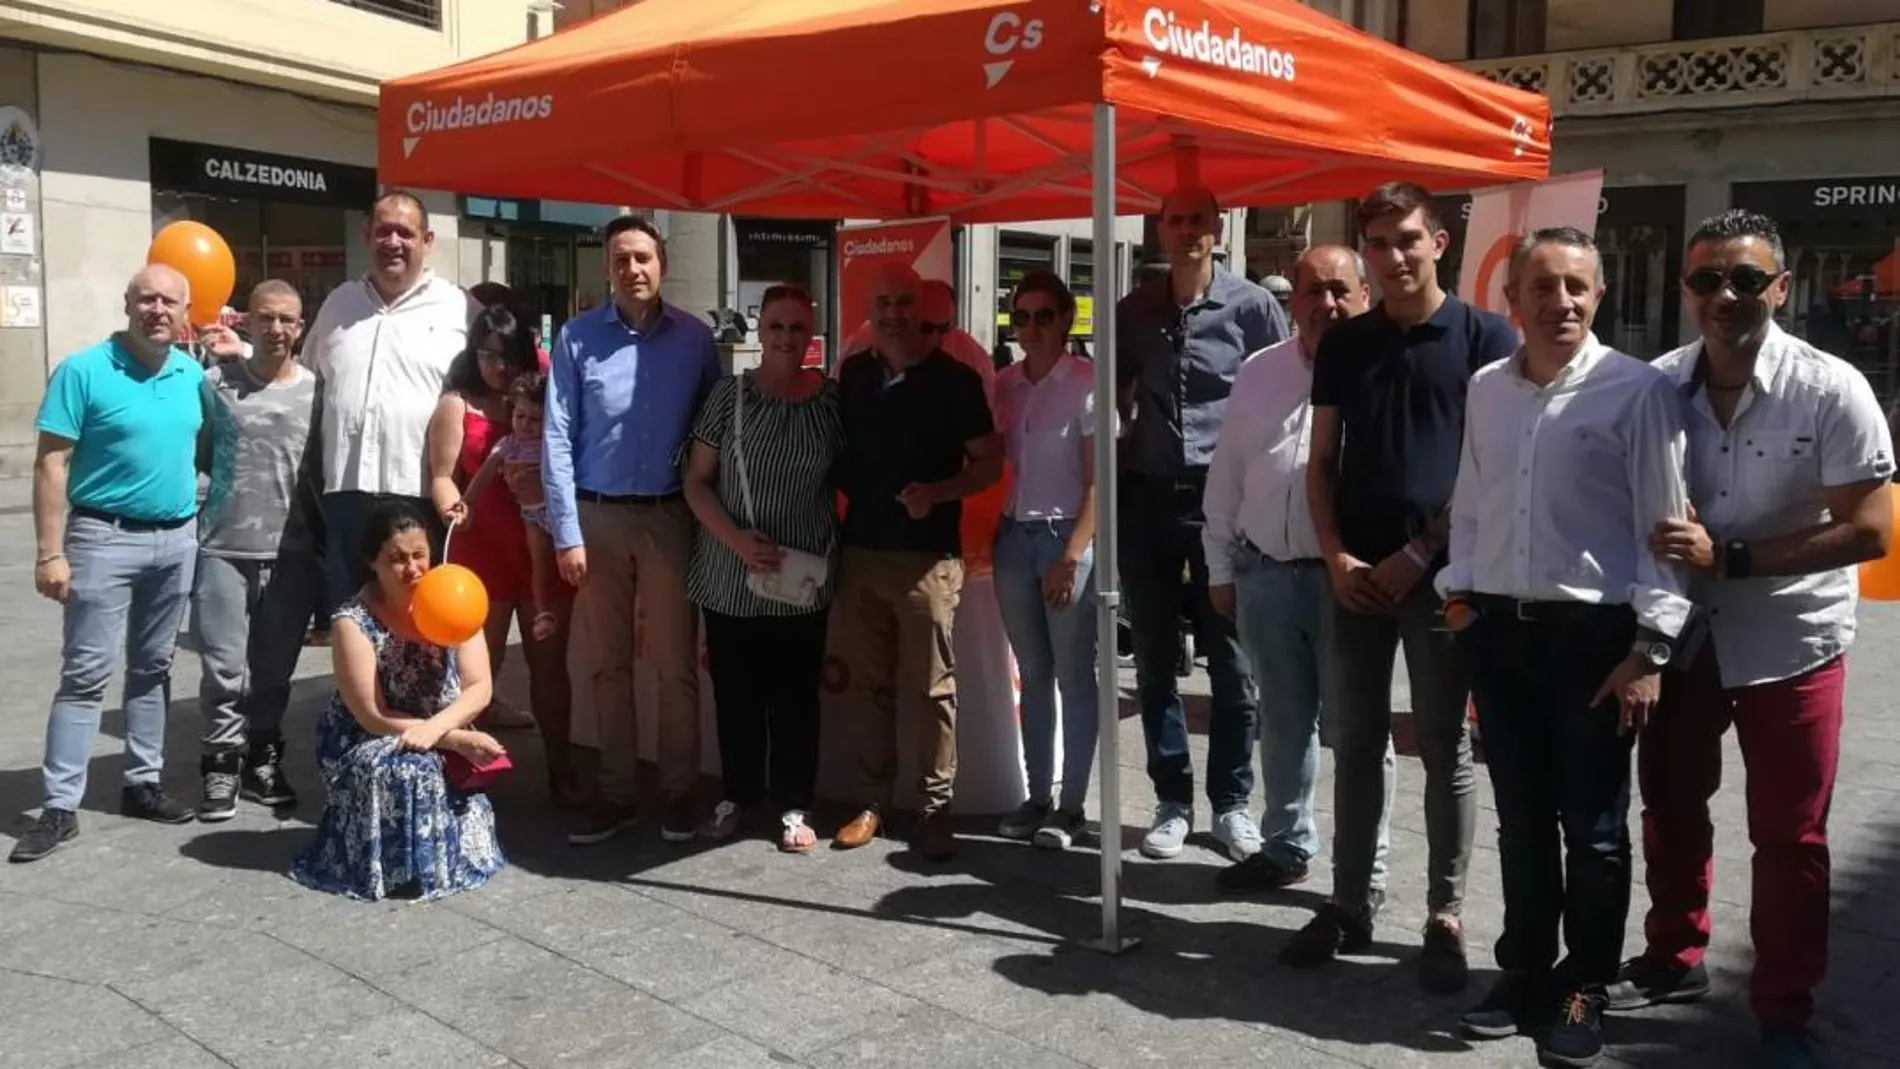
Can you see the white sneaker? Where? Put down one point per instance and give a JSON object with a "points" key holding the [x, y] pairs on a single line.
{"points": [[1237, 833], [1169, 832]]}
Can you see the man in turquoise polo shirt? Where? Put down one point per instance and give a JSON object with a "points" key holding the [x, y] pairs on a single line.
{"points": [[118, 440]]}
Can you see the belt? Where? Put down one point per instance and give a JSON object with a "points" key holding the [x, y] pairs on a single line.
{"points": [[1296, 562], [1548, 612], [598, 498], [126, 523]]}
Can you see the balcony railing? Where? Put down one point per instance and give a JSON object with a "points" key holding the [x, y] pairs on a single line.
{"points": [[420, 12], [1845, 62]]}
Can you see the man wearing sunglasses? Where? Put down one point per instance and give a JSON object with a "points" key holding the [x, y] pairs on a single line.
{"points": [[1181, 341], [1789, 468], [937, 319]]}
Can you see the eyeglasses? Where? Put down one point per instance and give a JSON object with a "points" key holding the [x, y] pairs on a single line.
{"points": [[1042, 317], [783, 290], [936, 328], [1746, 280]]}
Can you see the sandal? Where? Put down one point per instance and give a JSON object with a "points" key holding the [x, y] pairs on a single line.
{"points": [[797, 838]]}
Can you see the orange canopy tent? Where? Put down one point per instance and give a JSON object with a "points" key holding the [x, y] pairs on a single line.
{"points": [[975, 109], [981, 110]]}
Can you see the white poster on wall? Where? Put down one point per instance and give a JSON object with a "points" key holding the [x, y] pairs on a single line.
{"points": [[16, 234], [19, 306]]}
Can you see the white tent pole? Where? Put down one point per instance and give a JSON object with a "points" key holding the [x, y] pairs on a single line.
{"points": [[1107, 589]]}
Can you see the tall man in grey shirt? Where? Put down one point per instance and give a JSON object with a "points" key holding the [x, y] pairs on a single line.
{"points": [[1181, 341], [258, 579]]}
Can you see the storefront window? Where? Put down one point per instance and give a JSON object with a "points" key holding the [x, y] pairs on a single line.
{"points": [[775, 251], [1082, 285], [284, 217], [1639, 234], [1843, 241], [1017, 254]]}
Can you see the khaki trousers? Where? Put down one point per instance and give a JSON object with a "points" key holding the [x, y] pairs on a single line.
{"points": [[895, 614], [641, 551]]}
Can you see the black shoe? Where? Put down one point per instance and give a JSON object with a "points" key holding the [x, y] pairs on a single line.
{"points": [[54, 827], [264, 781], [148, 801], [1790, 1048], [1333, 931], [1652, 982], [1442, 968], [600, 824], [679, 821], [1506, 1009], [1576, 1039], [220, 797], [1257, 875]]}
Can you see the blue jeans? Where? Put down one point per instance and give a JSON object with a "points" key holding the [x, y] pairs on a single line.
{"points": [[1053, 647], [1163, 567], [1282, 611], [129, 591]]}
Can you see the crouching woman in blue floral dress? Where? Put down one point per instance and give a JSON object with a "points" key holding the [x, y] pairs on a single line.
{"points": [[392, 825]]}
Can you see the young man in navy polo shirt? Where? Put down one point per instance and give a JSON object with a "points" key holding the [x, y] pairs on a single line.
{"points": [[118, 440], [1388, 426]]}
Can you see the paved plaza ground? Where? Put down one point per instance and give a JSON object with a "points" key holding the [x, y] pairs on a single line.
{"points": [[186, 947]]}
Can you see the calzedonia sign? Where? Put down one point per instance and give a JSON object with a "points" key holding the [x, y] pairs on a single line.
{"points": [[220, 170]]}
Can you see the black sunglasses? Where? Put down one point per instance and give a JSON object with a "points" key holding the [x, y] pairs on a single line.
{"points": [[1042, 317], [936, 328], [1746, 280]]}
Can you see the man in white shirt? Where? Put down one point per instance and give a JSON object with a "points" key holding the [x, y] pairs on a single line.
{"points": [[1789, 466], [382, 346], [1264, 569], [1572, 453]]}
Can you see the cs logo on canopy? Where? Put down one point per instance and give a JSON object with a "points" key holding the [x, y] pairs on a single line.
{"points": [[1007, 33]]}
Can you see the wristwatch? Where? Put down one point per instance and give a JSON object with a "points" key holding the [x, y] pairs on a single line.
{"points": [[1653, 648]]}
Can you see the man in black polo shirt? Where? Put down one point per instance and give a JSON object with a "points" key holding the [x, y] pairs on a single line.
{"points": [[918, 440], [1181, 338], [1392, 384]]}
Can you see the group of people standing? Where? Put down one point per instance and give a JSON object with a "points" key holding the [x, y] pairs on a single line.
{"points": [[1600, 554]]}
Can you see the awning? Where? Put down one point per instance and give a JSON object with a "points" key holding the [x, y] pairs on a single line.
{"points": [[975, 109]]}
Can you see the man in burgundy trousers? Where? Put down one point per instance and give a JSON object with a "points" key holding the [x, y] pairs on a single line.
{"points": [[1789, 466]]}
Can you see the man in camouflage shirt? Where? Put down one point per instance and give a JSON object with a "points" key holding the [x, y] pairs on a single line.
{"points": [[258, 578]]}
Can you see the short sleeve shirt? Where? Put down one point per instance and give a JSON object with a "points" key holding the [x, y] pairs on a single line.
{"points": [[1401, 400], [263, 463], [134, 431], [912, 426], [790, 450], [1045, 424]]}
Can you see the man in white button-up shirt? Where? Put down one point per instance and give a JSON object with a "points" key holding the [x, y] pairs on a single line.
{"points": [[1573, 452], [382, 345], [1264, 569], [1789, 466]]}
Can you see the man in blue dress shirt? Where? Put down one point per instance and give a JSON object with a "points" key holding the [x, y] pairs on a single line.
{"points": [[118, 440], [625, 383]]}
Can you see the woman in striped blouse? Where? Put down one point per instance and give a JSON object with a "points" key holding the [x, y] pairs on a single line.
{"points": [[765, 503]]}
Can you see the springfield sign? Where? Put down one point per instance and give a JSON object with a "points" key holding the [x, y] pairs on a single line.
{"points": [[1215, 46]]}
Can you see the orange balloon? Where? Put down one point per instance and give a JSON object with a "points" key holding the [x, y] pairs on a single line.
{"points": [[1880, 579], [449, 606], [196, 251]]}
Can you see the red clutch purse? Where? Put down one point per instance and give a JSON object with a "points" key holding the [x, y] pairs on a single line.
{"points": [[467, 776]]}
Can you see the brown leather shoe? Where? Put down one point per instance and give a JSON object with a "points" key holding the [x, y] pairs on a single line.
{"points": [[934, 840], [860, 830]]}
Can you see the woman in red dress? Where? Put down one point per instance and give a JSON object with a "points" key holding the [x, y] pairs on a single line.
{"points": [[489, 538]]}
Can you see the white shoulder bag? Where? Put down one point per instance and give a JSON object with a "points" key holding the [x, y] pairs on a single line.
{"points": [[800, 575]]}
